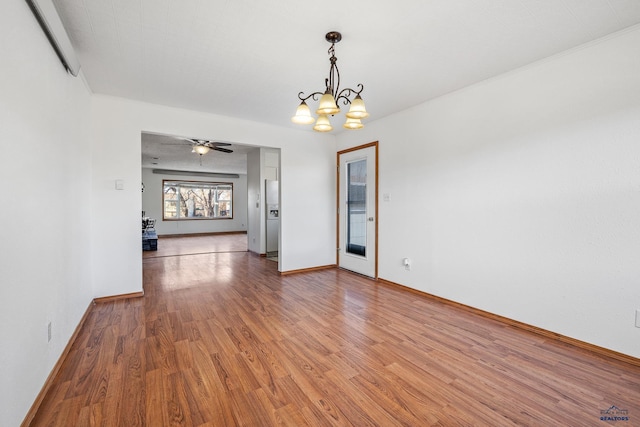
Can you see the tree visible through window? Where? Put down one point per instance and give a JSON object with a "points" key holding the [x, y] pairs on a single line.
{"points": [[197, 200]]}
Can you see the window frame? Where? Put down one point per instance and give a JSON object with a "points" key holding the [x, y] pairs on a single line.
{"points": [[181, 183]]}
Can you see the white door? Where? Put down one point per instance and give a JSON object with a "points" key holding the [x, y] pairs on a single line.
{"points": [[357, 210]]}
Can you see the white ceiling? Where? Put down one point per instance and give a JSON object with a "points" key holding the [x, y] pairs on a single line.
{"points": [[250, 58], [170, 152]]}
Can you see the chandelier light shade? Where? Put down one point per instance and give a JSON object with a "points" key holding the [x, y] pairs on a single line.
{"points": [[327, 104], [331, 97], [323, 124], [303, 115], [352, 123], [357, 110]]}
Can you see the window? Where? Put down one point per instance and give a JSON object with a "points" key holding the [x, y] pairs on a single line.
{"points": [[357, 207], [186, 200]]}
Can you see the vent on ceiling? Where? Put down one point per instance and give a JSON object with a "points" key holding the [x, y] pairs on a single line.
{"points": [[49, 20]]}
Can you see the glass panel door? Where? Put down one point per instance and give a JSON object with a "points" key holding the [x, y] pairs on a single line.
{"points": [[357, 210]]}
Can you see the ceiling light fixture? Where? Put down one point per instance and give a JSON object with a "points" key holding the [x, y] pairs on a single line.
{"points": [[330, 98], [201, 149], [202, 146]]}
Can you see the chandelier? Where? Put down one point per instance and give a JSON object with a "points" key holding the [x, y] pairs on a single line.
{"points": [[330, 98]]}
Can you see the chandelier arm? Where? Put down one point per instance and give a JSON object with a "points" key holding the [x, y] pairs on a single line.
{"points": [[344, 98], [347, 92], [301, 96]]}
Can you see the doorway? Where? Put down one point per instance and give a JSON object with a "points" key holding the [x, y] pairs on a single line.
{"points": [[358, 209]]}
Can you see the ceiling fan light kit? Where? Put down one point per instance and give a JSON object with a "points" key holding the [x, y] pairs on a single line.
{"points": [[332, 95], [201, 149], [202, 146]]}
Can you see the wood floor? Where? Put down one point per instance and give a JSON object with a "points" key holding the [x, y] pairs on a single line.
{"points": [[221, 339], [199, 244]]}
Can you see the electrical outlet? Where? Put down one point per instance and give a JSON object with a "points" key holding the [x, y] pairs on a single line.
{"points": [[49, 332], [637, 318]]}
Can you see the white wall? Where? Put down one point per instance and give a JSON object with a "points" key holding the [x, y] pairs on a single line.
{"points": [[307, 185], [45, 170], [152, 205], [521, 195], [254, 200]]}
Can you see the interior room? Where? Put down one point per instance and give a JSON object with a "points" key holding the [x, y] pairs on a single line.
{"points": [[251, 172], [487, 195]]}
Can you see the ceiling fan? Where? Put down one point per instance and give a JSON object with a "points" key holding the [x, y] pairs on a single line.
{"points": [[202, 146]]}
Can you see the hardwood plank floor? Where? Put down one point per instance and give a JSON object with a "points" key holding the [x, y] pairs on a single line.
{"points": [[198, 244], [221, 339]]}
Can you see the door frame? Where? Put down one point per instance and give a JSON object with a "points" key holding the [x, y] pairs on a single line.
{"points": [[373, 144]]}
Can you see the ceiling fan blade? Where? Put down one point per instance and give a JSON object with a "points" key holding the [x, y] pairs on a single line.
{"points": [[207, 142], [224, 150], [214, 145]]}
